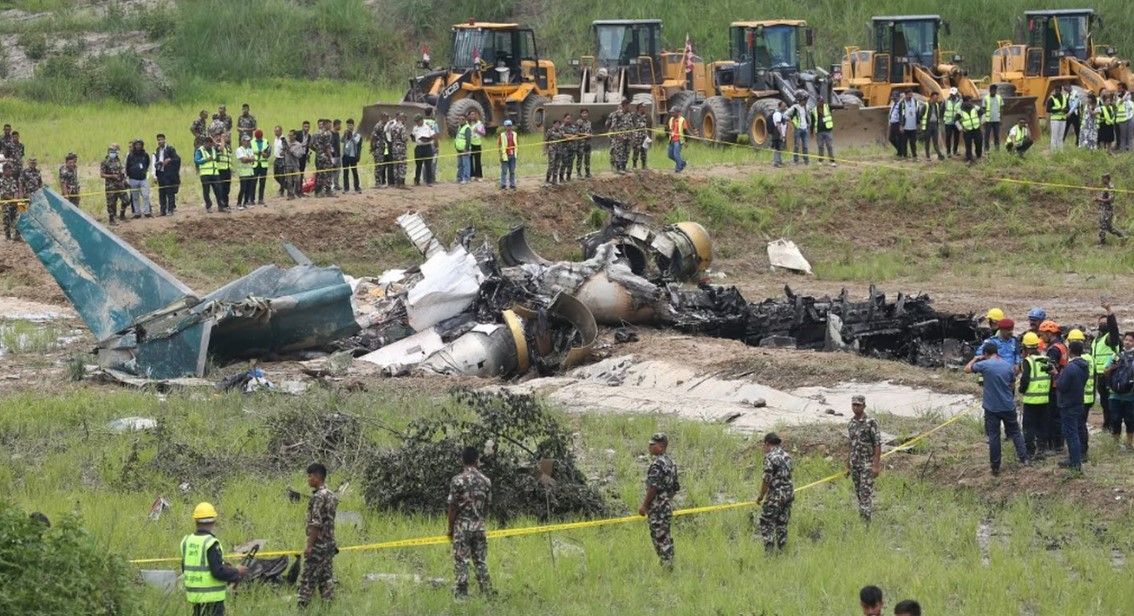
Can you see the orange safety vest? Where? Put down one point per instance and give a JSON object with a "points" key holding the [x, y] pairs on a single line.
{"points": [[1063, 354], [677, 130]]}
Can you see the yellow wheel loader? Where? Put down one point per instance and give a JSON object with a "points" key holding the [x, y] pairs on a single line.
{"points": [[495, 69]]}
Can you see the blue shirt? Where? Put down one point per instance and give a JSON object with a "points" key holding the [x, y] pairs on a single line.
{"points": [[1008, 350], [999, 396]]}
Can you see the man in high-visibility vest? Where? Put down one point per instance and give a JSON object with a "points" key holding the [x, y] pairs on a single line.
{"points": [[675, 129], [969, 119], [822, 124], [223, 183], [1057, 107], [1104, 347], [1035, 394], [949, 117], [508, 143], [262, 151], [206, 159], [993, 104], [205, 574], [1019, 138], [1123, 116], [928, 123]]}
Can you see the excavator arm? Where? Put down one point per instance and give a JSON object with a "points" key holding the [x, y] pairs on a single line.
{"points": [[1089, 77]]}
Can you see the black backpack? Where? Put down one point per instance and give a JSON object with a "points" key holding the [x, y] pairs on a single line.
{"points": [[1122, 377]]}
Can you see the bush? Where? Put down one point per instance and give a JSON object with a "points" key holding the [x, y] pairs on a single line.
{"points": [[63, 79], [59, 570], [35, 45]]}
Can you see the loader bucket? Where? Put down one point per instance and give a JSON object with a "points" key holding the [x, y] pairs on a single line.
{"points": [[370, 114], [599, 113], [861, 126], [1016, 107]]}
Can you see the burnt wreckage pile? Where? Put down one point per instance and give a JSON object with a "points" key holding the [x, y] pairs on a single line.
{"points": [[466, 309]]}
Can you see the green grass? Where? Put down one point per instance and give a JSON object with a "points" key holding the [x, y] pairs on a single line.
{"points": [[63, 460], [26, 337]]}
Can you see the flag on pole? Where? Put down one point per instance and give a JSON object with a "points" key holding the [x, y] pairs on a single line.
{"points": [[688, 59]]}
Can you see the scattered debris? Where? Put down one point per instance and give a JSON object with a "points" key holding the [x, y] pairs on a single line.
{"points": [[131, 424], [784, 254], [160, 506], [249, 381], [622, 335], [400, 578], [563, 547], [249, 546]]}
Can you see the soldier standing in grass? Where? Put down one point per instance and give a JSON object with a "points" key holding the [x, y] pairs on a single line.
{"points": [[551, 136], [776, 494], [470, 495], [567, 148], [865, 459], [9, 198], [319, 553], [69, 178], [30, 178], [399, 147], [640, 136], [378, 148], [584, 128], [1106, 211], [661, 484], [114, 174], [200, 130], [246, 123]]}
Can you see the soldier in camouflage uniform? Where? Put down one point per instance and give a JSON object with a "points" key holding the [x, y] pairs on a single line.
{"points": [[319, 554], [621, 122], [324, 159], [865, 459], [567, 148], [776, 494], [661, 485], [222, 124], [293, 154], [470, 495], [639, 136], [9, 199], [200, 130], [69, 178], [13, 151], [399, 148], [31, 179], [551, 136], [584, 128], [378, 149], [1106, 210], [246, 122], [112, 171]]}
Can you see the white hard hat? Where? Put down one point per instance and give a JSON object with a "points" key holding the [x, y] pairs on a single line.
{"points": [[952, 91]]}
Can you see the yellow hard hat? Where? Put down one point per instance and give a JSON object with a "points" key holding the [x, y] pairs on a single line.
{"points": [[1074, 335], [1031, 339], [995, 314], [205, 512]]}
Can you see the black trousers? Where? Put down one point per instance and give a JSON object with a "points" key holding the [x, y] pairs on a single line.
{"points": [[423, 164], [208, 187], [279, 172], [909, 143], [1054, 426], [477, 172], [261, 174], [247, 191], [167, 197], [350, 169], [223, 187], [1035, 428], [1111, 423], [1073, 121], [952, 139], [208, 609], [973, 143], [896, 138]]}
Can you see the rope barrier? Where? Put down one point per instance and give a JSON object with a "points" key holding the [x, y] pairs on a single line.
{"points": [[568, 526]]}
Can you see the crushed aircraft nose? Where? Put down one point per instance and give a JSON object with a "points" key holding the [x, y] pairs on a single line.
{"points": [[148, 323], [675, 252]]}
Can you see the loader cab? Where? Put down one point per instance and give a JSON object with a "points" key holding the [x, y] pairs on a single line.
{"points": [[758, 49], [1052, 35], [902, 42], [499, 52], [625, 43]]}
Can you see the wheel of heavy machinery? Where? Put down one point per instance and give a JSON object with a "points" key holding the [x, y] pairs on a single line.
{"points": [[681, 99], [1005, 89], [717, 123], [850, 100], [457, 112], [760, 121], [531, 113]]}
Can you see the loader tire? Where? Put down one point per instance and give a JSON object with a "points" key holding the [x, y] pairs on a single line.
{"points": [[457, 112], [717, 123], [680, 100], [760, 121], [531, 113]]}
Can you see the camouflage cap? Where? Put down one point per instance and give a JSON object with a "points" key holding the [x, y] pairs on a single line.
{"points": [[71, 156], [858, 399], [659, 437]]}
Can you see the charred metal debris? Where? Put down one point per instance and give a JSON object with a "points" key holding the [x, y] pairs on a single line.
{"points": [[468, 308]]}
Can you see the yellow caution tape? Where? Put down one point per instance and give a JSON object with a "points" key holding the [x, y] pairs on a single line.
{"points": [[505, 533]]}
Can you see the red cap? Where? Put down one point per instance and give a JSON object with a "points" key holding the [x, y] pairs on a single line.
{"points": [[258, 133], [1006, 324]]}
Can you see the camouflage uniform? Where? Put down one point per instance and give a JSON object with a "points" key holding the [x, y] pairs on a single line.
{"points": [[662, 475], [222, 125], [471, 493], [776, 512], [864, 437], [638, 138], [318, 570], [116, 189], [398, 151], [567, 151], [324, 162], [378, 147], [1106, 214], [31, 180], [10, 195], [69, 183], [551, 135], [14, 153], [245, 124], [200, 130], [584, 128]]}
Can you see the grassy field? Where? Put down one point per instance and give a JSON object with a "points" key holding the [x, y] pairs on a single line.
{"points": [[924, 543]]}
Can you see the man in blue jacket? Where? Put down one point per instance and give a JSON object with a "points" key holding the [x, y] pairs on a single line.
{"points": [[1069, 384]]}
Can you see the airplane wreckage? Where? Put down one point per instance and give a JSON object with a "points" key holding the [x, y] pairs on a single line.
{"points": [[466, 309]]}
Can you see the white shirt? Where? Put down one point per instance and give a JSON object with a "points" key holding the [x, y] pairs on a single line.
{"points": [[422, 135], [278, 148], [778, 123], [243, 152]]}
